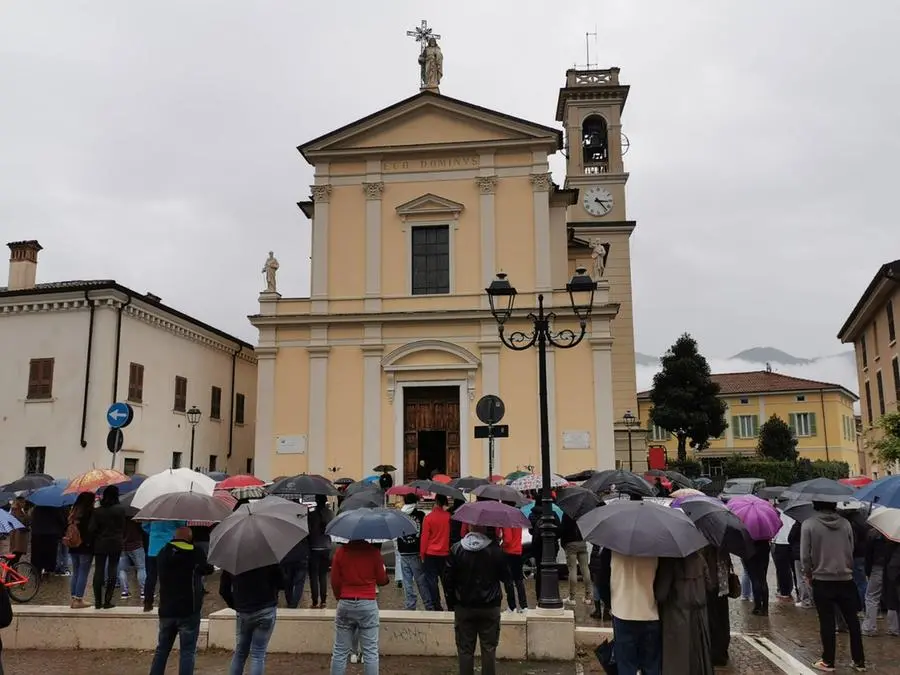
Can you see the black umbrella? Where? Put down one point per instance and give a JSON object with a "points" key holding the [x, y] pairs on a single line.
{"points": [[438, 489], [819, 490], [501, 493], [343, 481], [799, 510], [721, 527], [679, 479], [656, 472], [363, 500], [622, 481], [294, 487], [361, 486], [32, 481], [642, 529], [384, 468], [770, 493], [468, 482], [580, 476], [576, 501]]}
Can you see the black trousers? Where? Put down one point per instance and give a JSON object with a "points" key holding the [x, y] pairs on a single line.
{"points": [[843, 596], [477, 624], [719, 627], [784, 568], [515, 583], [150, 583], [758, 568], [318, 575], [434, 566], [106, 565]]}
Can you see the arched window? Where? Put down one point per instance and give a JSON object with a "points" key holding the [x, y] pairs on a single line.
{"points": [[595, 145]]}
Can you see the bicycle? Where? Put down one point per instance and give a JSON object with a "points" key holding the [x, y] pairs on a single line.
{"points": [[20, 578]]}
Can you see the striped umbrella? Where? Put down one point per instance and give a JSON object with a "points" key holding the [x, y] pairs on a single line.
{"points": [[249, 492], [93, 480], [9, 522]]}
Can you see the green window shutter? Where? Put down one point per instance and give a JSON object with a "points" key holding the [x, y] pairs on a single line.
{"points": [[755, 426], [812, 424], [792, 423], [736, 426]]}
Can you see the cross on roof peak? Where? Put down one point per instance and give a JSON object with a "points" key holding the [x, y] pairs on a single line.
{"points": [[422, 33]]}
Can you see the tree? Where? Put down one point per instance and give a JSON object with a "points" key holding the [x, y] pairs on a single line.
{"points": [[685, 399], [776, 440], [888, 446]]}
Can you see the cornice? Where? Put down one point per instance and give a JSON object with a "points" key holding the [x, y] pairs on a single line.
{"points": [[425, 148]]}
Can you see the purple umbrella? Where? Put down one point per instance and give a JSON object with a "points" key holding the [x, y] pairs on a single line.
{"points": [[761, 518], [491, 514], [678, 501]]}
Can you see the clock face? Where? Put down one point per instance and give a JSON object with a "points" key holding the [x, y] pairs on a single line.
{"points": [[598, 201]]}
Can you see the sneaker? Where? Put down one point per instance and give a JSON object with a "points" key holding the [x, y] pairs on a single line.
{"points": [[125, 595], [824, 667], [746, 598], [354, 658], [521, 610], [509, 611], [588, 600], [857, 668]]}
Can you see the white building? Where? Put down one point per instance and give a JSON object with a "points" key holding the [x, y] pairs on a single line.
{"points": [[69, 349]]}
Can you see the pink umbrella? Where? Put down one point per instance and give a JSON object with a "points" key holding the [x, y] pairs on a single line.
{"points": [[760, 517], [681, 499], [402, 490]]}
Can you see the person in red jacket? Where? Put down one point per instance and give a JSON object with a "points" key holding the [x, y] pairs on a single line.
{"points": [[434, 546], [515, 582], [357, 568]]}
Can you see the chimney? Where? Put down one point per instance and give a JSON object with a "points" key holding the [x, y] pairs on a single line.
{"points": [[22, 264]]}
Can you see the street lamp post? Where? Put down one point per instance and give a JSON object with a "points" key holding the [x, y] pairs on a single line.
{"points": [[193, 418], [630, 421], [502, 296]]}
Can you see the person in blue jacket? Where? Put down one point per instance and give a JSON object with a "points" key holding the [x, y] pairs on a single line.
{"points": [[160, 533]]}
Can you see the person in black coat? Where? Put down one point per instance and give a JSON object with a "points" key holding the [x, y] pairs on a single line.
{"points": [[181, 567], [107, 528], [6, 617], [295, 569], [600, 565]]}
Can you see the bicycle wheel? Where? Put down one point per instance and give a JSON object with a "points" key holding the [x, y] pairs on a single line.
{"points": [[26, 591]]}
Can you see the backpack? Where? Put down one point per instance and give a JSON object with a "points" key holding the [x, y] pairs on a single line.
{"points": [[72, 537]]}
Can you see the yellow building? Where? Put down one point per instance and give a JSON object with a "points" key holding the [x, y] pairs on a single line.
{"points": [[819, 413], [872, 329], [414, 210]]}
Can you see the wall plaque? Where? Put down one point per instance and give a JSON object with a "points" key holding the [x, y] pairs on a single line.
{"points": [[291, 445], [576, 440]]}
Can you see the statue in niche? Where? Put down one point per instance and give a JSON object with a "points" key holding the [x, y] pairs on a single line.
{"points": [[270, 269], [599, 254]]}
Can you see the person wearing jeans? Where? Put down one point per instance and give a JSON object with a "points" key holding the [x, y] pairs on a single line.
{"points": [[826, 551], [434, 548], [181, 567], [254, 596], [356, 570], [295, 569], [636, 628], [410, 564], [876, 556], [576, 558], [81, 551], [132, 556]]}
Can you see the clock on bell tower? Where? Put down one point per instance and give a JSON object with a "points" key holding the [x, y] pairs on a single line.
{"points": [[590, 107]]}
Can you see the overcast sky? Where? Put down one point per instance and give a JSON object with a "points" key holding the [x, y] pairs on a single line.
{"points": [[153, 141]]}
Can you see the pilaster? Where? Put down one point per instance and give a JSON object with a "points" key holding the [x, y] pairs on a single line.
{"points": [[604, 435], [372, 397], [374, 191], [318, 397], [541, 184], [264, 440], [551, 407], [321, 195], [487, 186]]}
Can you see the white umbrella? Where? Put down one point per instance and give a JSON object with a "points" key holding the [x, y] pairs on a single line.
{"points": [[169, 481], [887, 521]]}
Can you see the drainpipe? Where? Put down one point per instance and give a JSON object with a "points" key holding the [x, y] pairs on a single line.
{"points": [[824, 424], [87, 368], [233, 399], [115, 387]]}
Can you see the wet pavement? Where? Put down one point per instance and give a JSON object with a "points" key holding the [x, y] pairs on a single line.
{"points": [[793, 629]]}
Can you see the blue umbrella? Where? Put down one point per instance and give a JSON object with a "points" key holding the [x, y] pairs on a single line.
{"points": [[884, 492], [371, 479], [9, 522], [132, 484], [372, 524], [52, 496], [530, 505]]}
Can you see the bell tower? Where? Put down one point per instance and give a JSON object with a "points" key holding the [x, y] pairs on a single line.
{"points": [[590, 108]]}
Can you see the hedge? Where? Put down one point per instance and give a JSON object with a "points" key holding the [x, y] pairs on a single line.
{"points": [[772, 471]]}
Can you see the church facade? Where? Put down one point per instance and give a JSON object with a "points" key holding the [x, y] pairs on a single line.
{"points": [[414, 210]]}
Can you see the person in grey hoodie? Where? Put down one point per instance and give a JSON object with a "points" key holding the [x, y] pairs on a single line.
{"points": [[826, 557]]}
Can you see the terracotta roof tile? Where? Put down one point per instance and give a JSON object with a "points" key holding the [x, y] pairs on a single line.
{"points": [[763, 382]]}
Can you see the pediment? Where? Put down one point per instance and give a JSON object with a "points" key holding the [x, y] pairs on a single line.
{"points": [[429, 205], [430, 120]]}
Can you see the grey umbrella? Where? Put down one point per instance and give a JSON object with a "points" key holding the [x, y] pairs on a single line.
{"points": [[502, 493], [362, 500], [184, 506], [642, 529], [438, 489], [621, 481], [258, 534], [818, 490]]}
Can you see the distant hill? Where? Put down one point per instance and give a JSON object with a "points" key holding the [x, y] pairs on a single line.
{"points": [[770, 355], [645, 359]]}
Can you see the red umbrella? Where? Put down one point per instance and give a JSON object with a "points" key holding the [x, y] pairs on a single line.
{"points": [[441, 478], [406, 490], [225, 497], [855, 481], [497, 478], [242, 480]]}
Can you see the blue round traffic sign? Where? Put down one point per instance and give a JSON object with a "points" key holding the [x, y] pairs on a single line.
{"points": [[119, 415]]}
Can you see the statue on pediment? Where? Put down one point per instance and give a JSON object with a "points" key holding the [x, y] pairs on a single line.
{"points": [[270, 269], [431, 61]]}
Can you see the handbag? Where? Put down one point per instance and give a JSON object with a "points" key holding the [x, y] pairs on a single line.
{"points": [[606, 655], [734, 586]]}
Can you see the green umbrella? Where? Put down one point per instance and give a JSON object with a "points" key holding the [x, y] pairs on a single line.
{"points": [[516, 474]]}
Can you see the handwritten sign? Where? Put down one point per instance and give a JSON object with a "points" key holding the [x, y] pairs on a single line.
{"points": [[432, 164]]}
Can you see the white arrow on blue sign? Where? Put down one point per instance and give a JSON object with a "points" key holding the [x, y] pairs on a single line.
{"points": [[119, 415]]}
